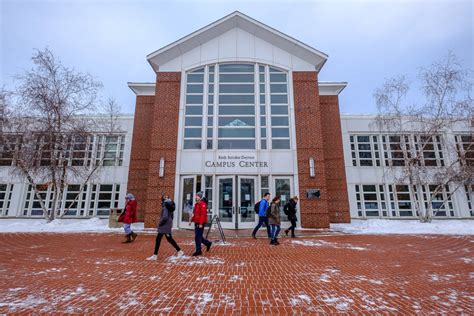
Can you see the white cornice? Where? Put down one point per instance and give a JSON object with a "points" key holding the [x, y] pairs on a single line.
{"points": [[237, 19], [142, 88], [331, 88]]}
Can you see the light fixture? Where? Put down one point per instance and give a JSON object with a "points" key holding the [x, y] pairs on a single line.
{"points": [[162, 167], [311, 167]]}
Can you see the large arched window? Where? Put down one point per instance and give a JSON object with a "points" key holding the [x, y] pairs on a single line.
{"points": [[236, 106]]}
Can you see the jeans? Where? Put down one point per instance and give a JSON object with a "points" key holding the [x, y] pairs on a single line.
{"points": [[261, 220], [199, 238], [275, 230], [127, 228], [169, 238]]}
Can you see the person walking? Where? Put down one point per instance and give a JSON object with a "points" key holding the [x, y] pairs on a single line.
{"points": [[290, 211], [130, 217], [165, 227], [274, 220], [199, 218], [262, 216]]}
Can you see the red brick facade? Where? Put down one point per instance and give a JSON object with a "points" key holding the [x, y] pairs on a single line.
{"points": [[318, 136], [338, 203], [155, 135]]}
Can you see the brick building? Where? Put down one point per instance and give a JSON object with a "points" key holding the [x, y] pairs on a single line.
{"points": [[237, 110]]}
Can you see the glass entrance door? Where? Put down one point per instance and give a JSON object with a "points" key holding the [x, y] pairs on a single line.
{"points": [[226, 201], [247, 195], [283, 188]]}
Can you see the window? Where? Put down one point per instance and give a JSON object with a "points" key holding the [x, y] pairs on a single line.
{"points": [[469, 189], [465, 147], [103, 198], [264, 185], [32, 206], [236, 106], [440, 199], [7, 146], [371, 200], [5, 198], [193, 108], [74, 200], [79, 150], [110, 150], [365, 150], [396, 149], [401, 200], [430, 150], [236, 95]]}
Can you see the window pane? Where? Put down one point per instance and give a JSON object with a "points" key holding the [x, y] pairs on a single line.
{"points": [[192, 132], [279, 121], [278, 88], [232, 110], [194, 88], [236, 78], [236, 88], [195, 77], [277, 78], [236, 99], [237, 132], [279, 98], [193, 121], [193, 99], [236, 144], [193, 110], [236, 121], [279, 109], [280, 144], [236, 68], [280, 132], [192, 144]]}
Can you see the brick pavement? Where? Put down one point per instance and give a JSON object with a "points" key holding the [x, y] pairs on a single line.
{"points": [[92, 273]]}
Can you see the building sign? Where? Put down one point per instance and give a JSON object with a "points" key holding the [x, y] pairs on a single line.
{"points": [[232, 161]]}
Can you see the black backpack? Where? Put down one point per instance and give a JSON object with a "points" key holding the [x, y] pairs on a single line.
{"points": [[171, 206], [285, 209], [256, 207]]}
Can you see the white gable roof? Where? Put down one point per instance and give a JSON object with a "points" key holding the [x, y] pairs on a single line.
{"points": [[246, 23]]}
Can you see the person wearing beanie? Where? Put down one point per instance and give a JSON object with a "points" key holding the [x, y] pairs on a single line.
{"points": [[199, 218], [130, 217]]}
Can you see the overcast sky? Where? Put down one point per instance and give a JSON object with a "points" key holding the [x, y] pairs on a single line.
{"points": [[367, 41]]}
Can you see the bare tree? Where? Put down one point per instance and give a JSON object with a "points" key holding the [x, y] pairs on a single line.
{"points": [[418, 130], [48, 125]]}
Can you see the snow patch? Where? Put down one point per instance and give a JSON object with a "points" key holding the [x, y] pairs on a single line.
{"points": [[322, 243], [236, 278], [191, 261]]}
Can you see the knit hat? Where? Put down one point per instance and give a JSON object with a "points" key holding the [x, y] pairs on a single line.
{"points": [[130, 196], [199, 194]]}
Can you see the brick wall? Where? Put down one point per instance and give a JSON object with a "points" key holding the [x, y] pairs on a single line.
{"points": [[310, 144], [140, 155], [164, 136], [338, 203]]}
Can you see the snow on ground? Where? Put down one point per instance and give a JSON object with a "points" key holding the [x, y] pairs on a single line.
{"points": [[384, 226], [60, 225]]}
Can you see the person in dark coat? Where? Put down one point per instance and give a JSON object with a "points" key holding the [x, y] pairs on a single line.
{"points": [[165, 226], [274, 220], [130, 217], [290, 211]]}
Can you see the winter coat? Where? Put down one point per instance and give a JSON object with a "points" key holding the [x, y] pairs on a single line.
{"points": [[291, 207], [130, 212], [262, 211], [200, 213], [165, 224], [274, 217]]}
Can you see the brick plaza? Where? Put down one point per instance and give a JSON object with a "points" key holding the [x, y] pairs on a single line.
{"points": [[316, 273]]}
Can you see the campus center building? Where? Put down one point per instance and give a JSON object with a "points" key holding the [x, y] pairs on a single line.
{"points": [[237, 110]]}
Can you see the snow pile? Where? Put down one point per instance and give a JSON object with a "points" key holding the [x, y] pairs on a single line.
{"points": [[385, 226], [322, 243], [59, 225], [192, 261]]}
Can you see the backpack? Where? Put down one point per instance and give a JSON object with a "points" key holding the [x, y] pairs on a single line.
{"points": [[171, 206], [286, 210], [256, 207], [268, 211]]}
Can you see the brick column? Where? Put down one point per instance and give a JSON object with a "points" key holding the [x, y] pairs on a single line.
{"points": [[338, 202], [309, 144], [164, 136], [140, 155]]}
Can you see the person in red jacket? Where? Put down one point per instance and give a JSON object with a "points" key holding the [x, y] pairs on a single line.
{"points": [[130, 217], [199, 218]]}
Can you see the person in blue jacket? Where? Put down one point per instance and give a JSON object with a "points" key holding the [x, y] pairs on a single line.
{"points": [[262, 216]]}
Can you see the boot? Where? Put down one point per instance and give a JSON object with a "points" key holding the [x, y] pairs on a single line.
{"points": [[128, 239], [287, 231], [134, 236]]}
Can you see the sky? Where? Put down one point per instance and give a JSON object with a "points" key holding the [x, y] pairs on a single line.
{"points": [[367, 41]]}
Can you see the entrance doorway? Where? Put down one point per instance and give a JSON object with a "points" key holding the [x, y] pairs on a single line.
{"points": [[236, 197]]}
